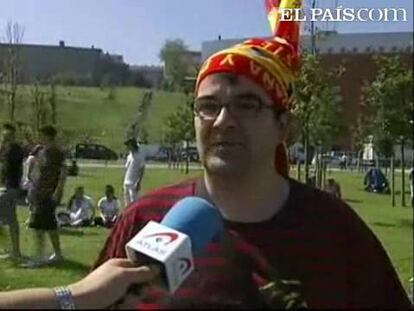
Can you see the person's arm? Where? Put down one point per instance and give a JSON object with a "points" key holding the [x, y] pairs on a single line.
{"points": [[100, 209], [100, 289], [58, 194], [140, 176], [30, 167]]}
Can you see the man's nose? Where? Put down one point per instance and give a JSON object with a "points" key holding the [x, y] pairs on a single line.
{"points": [[224, 118]]}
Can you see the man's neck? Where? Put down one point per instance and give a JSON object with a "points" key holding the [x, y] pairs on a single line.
{"points": [[253, 198]]}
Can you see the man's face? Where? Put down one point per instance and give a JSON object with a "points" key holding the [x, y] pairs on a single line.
{"points": [[79, 193], [45, 139], [243, 138]]}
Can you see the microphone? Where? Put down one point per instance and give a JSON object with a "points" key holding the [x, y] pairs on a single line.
{"points": [[184, 231]]}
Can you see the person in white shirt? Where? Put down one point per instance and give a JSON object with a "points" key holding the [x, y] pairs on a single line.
{"points": [[109, 207], [31, 172], [81, 209], [134, 171]]}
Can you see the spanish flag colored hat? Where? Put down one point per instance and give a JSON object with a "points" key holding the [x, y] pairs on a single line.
{"points": [[272, 64]]}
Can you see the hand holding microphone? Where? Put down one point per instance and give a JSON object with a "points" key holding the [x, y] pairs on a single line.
{"points": [[184, 231], [110, 281]]}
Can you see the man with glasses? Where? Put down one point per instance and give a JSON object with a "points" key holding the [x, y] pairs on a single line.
{"points": [[286, 244]]}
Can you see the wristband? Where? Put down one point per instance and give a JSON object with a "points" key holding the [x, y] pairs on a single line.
{"points": [[64, 297]]}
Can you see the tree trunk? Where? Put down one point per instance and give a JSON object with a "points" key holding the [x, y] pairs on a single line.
{"points": [[12, 104], [320, 172], [298, 170], [402, 173], [392, 169], [187, 158], [169, 159], [306, 147]]}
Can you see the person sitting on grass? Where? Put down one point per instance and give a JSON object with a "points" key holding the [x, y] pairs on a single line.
{"points": [[81, 210], [375, 181], [333, 188], [109, 207]]}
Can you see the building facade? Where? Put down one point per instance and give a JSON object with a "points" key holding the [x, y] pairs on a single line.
{"points": [[42, 62]]}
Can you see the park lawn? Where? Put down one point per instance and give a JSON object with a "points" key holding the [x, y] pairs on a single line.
{"points": [[87, 112], [393, 227]]}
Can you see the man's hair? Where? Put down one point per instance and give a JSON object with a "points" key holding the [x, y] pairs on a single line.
{"points": [[48, 130], [79, 188], [10, 127], [109, 188]]}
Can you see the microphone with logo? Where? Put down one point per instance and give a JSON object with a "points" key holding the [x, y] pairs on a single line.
{"points": [[185, 230]]}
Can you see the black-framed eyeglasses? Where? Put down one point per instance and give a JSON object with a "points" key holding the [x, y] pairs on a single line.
{"points": [[241, 107]]}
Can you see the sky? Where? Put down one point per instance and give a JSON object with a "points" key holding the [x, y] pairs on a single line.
{"points": [[137, 29]]}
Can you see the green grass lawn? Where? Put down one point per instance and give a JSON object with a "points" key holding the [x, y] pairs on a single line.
{"points": [[86, 111], [393, 226]]}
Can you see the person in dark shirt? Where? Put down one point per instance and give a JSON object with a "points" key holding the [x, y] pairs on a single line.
{"points": [[11, 171], [285, 244], [47, 192]]}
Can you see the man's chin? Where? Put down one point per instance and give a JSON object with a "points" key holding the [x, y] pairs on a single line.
{"points": [[219, 166]]}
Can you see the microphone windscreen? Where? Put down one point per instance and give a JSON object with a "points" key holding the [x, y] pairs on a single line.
{"points": [[197, 218]]}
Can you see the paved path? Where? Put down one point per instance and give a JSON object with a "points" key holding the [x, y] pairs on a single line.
{"points": [[120, 165]]}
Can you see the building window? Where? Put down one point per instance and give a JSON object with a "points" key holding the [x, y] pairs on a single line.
{"points": [[343, 50], [330, 50], [355, 50], [368, 49], [381, 49], [409, 49], [394, 49], [317, 51]]}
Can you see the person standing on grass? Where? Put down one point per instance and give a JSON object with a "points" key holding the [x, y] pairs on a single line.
{"points": [[285, 244], [47, 193], [134, 171], [11, 171]]}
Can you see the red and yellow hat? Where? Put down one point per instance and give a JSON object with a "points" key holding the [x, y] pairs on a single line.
{"points": [[272, 64]]}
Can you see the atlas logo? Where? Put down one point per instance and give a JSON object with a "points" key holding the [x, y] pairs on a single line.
{"points": [[168, 237], [184, 265]]}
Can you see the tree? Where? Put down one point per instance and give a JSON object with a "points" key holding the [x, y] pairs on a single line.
{"points": [[389, 107], [180, 127], [359, 133], [52, 102], [40, 110], [175, 68], [14, 34], [317, 106]]}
